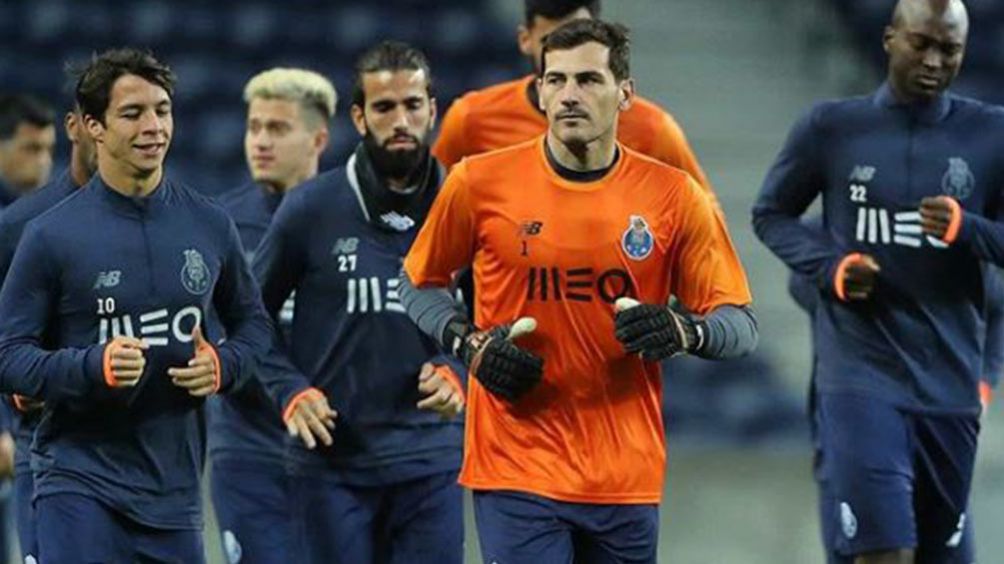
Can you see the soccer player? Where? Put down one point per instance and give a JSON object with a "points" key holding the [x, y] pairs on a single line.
{"points": [[909, 182], [27, 139], [510, 113], [287, 130], [383, 487], [102, 315], [564, 445], [806, 294], [26, 412]]}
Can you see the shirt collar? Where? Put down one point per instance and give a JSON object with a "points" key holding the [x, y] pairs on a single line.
{"points": [[129, 204], [929, 112]]}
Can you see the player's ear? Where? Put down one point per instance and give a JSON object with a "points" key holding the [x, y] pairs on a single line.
{"points": [[95, 128], [70, 126], [540, 99], [887, 37], [433, 112], [358, 118], [524, 40], [321, 138], [626, 94]]}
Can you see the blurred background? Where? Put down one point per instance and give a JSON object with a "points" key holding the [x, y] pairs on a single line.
{"points": [[735, 74]]}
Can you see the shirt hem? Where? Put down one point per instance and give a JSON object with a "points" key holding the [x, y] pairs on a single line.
{"points": [[569, 497]]}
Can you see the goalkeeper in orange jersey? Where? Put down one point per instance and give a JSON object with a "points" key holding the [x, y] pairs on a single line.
{"points": [[576, 243]]}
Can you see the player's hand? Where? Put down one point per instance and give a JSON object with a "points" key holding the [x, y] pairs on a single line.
{"points": [[6, 455], [440, 392], [503, 368], [655, 331], [986, 395], [309, 417], [859, 275], [937, 214], [202, 375], [124, 361]]}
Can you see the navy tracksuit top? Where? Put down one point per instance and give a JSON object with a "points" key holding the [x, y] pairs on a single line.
{"points": [[101, 264], [919, 341]]}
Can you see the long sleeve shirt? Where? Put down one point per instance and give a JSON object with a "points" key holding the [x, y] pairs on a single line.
{"points": [[100, 265], [246, 425], [350, 335], [918, 342]]}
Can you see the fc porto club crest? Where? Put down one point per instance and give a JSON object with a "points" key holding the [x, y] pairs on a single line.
{"points": [[637, 240], [195, 273], [958, 181]]}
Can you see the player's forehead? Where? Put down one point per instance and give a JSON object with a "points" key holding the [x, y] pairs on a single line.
{"points": [[922, 19], [31, 133], [273, 109], [588, 57], [133, 90], [397, 84]]}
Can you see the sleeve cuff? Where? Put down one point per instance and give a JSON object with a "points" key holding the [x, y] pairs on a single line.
{"points": [[838, 275], [218, 372], [986, 393], [955, 224], [305, 395], [447, 373]]}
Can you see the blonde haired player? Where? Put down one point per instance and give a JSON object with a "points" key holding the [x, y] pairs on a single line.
{"points": [[287, 131]]}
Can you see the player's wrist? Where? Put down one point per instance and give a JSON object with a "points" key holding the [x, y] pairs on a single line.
{"points": [[305, 395]]}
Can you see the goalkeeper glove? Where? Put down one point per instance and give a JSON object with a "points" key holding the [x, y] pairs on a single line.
{"points": [[500, 366], [656, 332]]}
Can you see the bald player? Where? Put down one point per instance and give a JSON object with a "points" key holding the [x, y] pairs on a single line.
{"points": [[509, 113], [910, 179]]}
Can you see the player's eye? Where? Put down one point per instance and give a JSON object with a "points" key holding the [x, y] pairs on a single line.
{"points": [[554, 79], [413, 105]]}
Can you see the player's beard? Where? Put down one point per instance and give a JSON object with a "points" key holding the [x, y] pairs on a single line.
{"points": [[396, 163]]}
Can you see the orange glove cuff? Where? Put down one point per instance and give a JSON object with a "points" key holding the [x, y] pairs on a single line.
{"points": [[447, 373], [838, 277], [955, 224], [308, 394]]}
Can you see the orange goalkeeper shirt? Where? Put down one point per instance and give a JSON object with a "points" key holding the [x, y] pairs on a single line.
{"points": [[501, 116], [562, 252]]}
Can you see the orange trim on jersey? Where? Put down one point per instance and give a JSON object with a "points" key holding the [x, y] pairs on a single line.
{"points": [[986, 393], [106, 363], [302, 396], [838, 277], [450, 376], [955, 224]]}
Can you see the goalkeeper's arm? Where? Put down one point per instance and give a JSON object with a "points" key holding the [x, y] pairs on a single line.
{"points": [[490, 355], [657, 331]]}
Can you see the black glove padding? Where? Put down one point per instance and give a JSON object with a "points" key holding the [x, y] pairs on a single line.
{"points": [[503, 369], [656, 332]]}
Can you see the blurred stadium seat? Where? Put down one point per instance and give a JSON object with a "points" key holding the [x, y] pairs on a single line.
{"points": [[215, 47]]}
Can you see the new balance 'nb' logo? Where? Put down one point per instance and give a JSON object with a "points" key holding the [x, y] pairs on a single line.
{"points": [[108, 279], [878, 225]]}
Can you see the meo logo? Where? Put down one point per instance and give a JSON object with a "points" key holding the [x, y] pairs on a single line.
{"points": [[155, 327]]}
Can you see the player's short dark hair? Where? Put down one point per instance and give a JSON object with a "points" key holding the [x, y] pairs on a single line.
{"points": [[579, 32], [95, 80], [16, 109], [389, 56], [557, 9]]}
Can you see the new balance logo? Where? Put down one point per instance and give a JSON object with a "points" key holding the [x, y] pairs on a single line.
{"points": [[365, 295], [862, 173], [154, 327], [530, 228], [108, 279], [874, 226], [397, 221], [345, 246]]}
